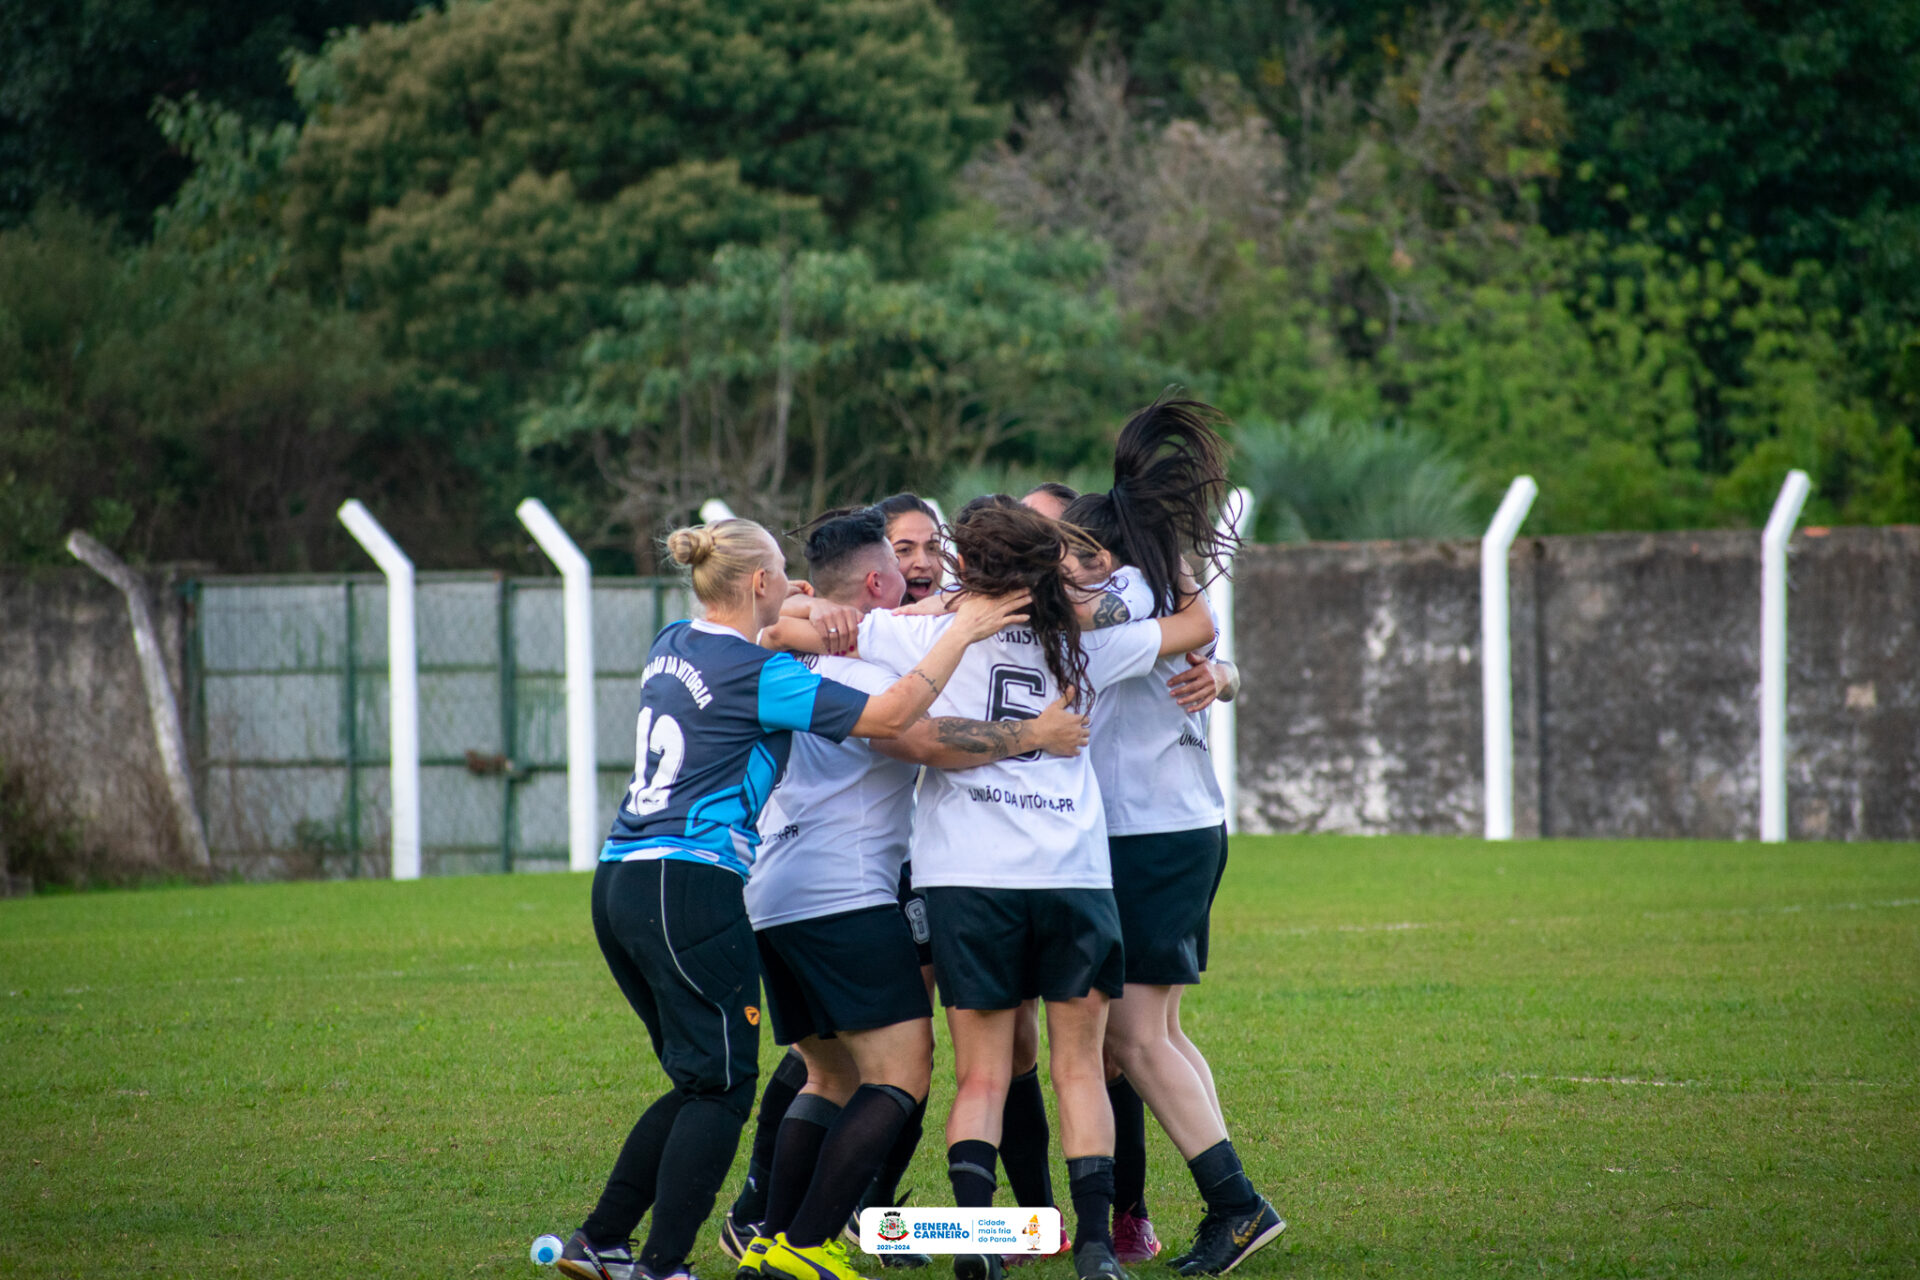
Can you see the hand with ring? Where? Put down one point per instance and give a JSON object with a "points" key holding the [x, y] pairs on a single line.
{"points": [[838, 624]]}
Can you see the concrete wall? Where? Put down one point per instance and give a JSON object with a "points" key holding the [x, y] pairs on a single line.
{"points": [[73, 710], [1636, 686]]}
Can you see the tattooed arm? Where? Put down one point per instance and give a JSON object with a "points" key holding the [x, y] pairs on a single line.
{"points": [[1103, 609], [953, 742]]}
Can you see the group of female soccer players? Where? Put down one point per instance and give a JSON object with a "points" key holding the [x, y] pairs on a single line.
{"points": [[981, 749]]}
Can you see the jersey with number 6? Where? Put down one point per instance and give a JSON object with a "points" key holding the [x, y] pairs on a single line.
{"points": [[717, 715], [1027, 822]]}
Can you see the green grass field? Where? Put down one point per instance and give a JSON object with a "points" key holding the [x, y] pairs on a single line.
{"points": [[1440, 1057]]}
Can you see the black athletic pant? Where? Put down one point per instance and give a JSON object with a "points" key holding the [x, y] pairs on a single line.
{"points": [[676, 936]]}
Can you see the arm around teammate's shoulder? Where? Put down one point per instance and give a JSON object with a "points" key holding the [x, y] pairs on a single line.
{"points": [[893, 712], [954, 742], [1190, 628]]}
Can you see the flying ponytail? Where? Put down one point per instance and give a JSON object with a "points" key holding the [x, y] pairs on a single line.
{"points": [[1169, 484]]}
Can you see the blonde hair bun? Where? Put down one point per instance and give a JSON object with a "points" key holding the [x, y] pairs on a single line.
{"points": [[691, 546], [722, 557]]}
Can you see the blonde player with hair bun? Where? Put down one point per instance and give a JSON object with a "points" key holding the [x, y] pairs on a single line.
{"points": [[717, 717]]}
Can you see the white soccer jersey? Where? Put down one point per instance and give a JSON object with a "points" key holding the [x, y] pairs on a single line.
{"points": [[834, 832], [1153, 760], [1027, 822]]}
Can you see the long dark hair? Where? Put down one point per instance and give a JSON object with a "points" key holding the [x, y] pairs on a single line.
{"points": [[901, 503], [1003, 548], [1169, 483]]}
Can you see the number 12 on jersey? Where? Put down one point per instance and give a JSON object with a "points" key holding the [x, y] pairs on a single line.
{"points": [[661, 738]]}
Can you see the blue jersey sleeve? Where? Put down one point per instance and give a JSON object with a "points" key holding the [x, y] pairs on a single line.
{"points": [[792, 697]]}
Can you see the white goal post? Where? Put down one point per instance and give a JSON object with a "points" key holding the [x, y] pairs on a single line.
{"points": [[1236, 517], [576, 576], [1496, 656], [403, 683], [1773, 656]]}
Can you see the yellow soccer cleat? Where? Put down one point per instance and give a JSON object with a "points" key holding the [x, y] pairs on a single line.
{"points": [[829, 1261], [752, 1257]]}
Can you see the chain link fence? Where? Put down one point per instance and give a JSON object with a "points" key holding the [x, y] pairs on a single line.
{"points": [[290, 717]]}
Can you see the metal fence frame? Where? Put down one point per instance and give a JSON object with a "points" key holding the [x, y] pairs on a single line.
{"points": [[524, 693]]}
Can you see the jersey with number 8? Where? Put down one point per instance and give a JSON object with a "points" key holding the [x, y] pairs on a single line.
{"points": [[717, 714]]}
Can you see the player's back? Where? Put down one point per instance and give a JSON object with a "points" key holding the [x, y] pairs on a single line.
{"points": [[835, 831], [1032, 821], [711, 741], [1153, 759]]}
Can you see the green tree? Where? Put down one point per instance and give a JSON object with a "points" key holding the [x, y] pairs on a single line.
{"points": [[484, 178], [481, 182], [787, 383], [1604, 371], [76, 82], [172, 412], [1791, 123]]}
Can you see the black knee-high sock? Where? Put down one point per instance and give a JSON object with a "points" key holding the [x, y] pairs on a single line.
{"points": [[1023, 1142], [1129, 1148], [1222, 1182], [784, 1085], [886, 1184], [1090, 1183], [855, 1146], [694, 1164], [630, 1187], [802, 1134], [970, 1170]]}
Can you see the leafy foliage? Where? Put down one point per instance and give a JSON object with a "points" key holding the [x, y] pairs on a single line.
{"points": [[1017, 479], [1789, 122], [76, 81], [625, 254], [485, 177], [169, 412], [788, 382], [1324, 480]]}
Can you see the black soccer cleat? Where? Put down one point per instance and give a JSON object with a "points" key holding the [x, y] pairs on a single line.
{"points": [[1095, 1261], [580, 1260], [977, 1266], [1222, 1243]]}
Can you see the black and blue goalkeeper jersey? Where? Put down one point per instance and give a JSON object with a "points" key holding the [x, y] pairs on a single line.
{"points": [[717, 715]]}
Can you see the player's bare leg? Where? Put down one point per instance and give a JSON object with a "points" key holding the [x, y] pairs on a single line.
{"points": [[1076, 1030], [1134, 1240], [1162, 1075], [1238, 1220], [1192, 1054], [982, 1066], [1024, 1133]]}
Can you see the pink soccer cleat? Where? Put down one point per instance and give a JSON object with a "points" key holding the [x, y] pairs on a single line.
{"points": [[1133, 1238]]}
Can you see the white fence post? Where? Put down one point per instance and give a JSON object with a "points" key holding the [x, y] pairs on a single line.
{"points": [[1496, 655], [583, 820], [713, 511], [162, 707], [1236, 517], [403, 683], [1773, 656]]}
